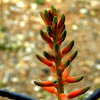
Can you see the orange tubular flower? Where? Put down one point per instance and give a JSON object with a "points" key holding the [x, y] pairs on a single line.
{"points": [[63, 96], [72, 79], [46, 38], [72, 56], [49, 56], [66, 72], [51, 90], [76, 93], [64, 65], [54, 37], [47, 62], [44, 83], [67, 49]]}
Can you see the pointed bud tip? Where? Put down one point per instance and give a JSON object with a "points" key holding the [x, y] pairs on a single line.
{"points": [[41, 32], [82, 76], [79, 78], [76, 52], [55, 80], [65, 32], [72, 42], [45, 11], [63, 16], [86, 88], [37, 55], [48, 28], [52, 6], [56, 47], [44, 53], [68, 60], [37, 83], [63, 35], [55, 19]]}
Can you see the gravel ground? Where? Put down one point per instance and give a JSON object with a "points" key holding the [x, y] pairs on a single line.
{"points": [[20, 40]]}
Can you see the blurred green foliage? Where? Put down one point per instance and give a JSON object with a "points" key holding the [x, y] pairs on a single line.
{"points": [[5, 41], [2, 85], [40, 2], [82, 97], [2, 28]]}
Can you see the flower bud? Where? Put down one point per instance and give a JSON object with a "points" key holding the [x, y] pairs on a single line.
{"points": [[78, 92]]}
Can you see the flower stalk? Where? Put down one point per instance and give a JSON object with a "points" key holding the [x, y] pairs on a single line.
{"points": [[54, 37], [60, 87]]}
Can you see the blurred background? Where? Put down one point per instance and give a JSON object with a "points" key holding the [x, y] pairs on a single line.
{"points": [[20, 41]]}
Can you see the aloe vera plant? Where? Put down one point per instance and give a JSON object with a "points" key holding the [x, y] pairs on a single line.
{"points": [[54, 37]]}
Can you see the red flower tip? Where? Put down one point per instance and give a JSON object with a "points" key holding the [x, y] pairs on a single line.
{"points": [[62, 20], [66, 72], [45, 37], [78, 92], [54, 20], [50, 32], [72, 56], [43, 17], [44, 83], [63, 96], [73, 79], [53, 10], [62, 37], [47, 17], [51, 90], [56, 77], [54, 23], [61, 30]]}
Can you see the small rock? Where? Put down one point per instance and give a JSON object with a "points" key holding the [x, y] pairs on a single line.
{"points": [[97, 80], [89, 62], [21, 4], [6, 77], [86, 70], [36, 88], [50, 78], [20, 37], [28, 50], [39, 95], [33, 6], [6, 1], [2, 66], [94, 12], [25, 17], [22, 24], [95, 3], [14, 79], [7, 12], [84, 11], [74, 27], [46, 71]]}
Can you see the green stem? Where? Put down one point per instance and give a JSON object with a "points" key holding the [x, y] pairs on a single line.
{"points": [[60, 87]]}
